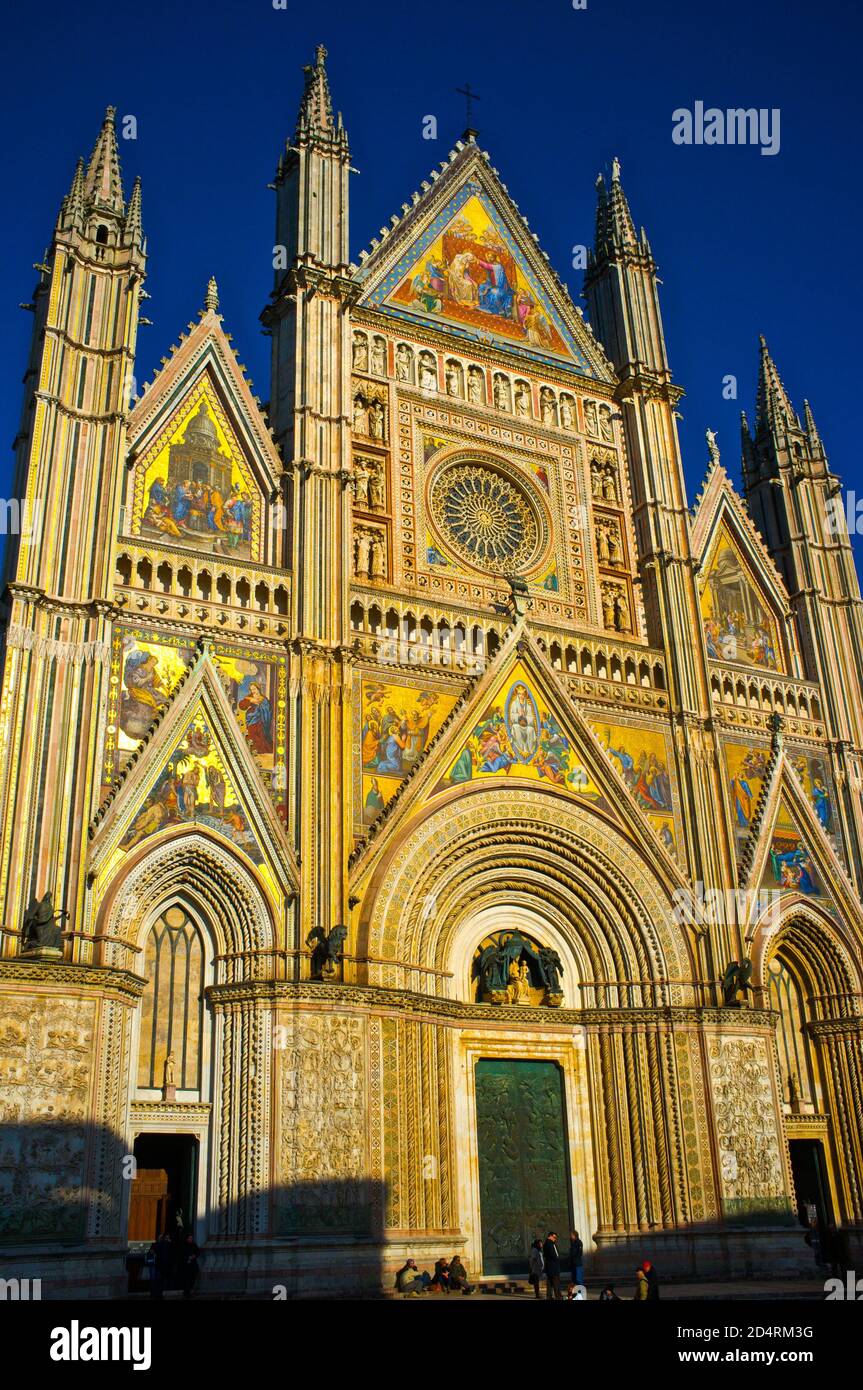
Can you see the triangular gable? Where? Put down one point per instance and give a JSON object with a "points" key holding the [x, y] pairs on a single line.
{"points": [[518, 724], [463, 260], [792, 855], [742, 595], [205, 466], [194, 770]]}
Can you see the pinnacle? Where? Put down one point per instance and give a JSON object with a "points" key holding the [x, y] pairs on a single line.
{"points": [[211, 298], [103, 186]]}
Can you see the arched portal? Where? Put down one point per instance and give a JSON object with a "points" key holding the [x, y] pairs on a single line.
{"points": [[559, 1107], [811, 977], [194, 920]]}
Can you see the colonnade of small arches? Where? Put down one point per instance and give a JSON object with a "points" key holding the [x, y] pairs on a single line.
{"points": [[773, 696], [202, 583]]}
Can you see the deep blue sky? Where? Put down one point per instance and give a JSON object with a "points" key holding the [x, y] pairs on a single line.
{"points": [[745, 243]]}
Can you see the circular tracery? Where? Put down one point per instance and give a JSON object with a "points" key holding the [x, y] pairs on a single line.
{"points": [[486, 517]]}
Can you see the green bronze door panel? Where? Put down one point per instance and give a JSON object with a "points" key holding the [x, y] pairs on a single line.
{"points": [[523, 1160]]}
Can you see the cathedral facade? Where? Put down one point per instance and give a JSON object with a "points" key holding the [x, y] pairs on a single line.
{"points": [[420, 827]]}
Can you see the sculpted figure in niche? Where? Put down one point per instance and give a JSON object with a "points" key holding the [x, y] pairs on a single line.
{"points": [[360, 416], [596, 478], [567, 413], [621, 612], [609, 486], [404, 363], [522, 399], [428, 372], [608, 607], [376, 420], [361, 485], [379, 357], [360, 352], [613, 543], [453, 379], [362, 552], [605, 424], [590, 422], [548, 406], [378, 562], [376, 487], [602, 543], [475, 386], [502, 393]]}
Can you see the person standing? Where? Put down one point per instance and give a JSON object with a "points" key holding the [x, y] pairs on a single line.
{"points": [[576, 1257], [551, 1256], [189, 1253], [652, 1280], [642, 1292], [536, 1266], [608, 1295]]}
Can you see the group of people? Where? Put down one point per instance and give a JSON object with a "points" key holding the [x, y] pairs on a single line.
{"points": [[450, 1276], [195, 509], [172, 1263], [544, 1262]]}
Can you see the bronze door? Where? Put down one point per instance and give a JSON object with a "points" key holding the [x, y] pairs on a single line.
{"points": [[523, 1160]]}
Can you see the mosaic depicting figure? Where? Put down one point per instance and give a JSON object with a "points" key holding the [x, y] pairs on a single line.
{"points": [[193, 789], [737, 624], [195, 491]]}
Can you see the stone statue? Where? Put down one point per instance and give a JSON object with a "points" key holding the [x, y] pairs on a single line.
{"points": [[734, 981], [361, 485], [360, 352], [170, 1068], [326, 949], [379, 357], [712, 446], [475, 385], [491, 967], [376, 488], [41, 926], [550, 971], [567, 417], [404, 362]]}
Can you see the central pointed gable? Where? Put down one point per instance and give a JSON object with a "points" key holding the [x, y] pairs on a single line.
{"points": [[463, 260], [519, 725]]}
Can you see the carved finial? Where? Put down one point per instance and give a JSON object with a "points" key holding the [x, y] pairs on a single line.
{"points": [[211, 298], [712, 446]]}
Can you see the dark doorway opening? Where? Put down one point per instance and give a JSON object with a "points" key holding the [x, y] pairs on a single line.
{"points": [[164, 1187], [523, 1161], [811, 1184]]}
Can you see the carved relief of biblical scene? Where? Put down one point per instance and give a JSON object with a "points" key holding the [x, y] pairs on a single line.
{"points": [[738, 625], [369, 410], [370, 552], [369, 482], [193, 487], [46, 1047], [604, 484], [510, 968], [396, 723], [322, 1071], [518, 736], [641, 757], [147, 664], [194, 789], [616, 607], [752, 1177]]}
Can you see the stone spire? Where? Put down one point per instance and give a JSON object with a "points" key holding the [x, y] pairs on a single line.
{"points": [[211, 298], [315, 122], [132, 230], [812, 429], [772, 406], [614, 225], [72, 207]]}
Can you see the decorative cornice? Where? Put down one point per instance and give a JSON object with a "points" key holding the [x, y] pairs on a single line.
{"points": [[20, 970]]}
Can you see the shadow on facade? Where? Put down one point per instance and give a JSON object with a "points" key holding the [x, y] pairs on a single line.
{"points": [[68, 1202]]}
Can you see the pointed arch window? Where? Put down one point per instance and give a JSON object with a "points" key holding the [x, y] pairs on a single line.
{"points": [[795, 1048], [172, 1008]]}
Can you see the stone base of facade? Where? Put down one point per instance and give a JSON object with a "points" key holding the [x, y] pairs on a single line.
{"points": [[730, 1253], [321, 1269]]}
